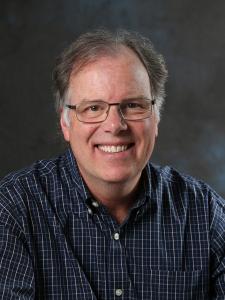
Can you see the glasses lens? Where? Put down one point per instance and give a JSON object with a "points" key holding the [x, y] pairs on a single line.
{"points": [[136, 109], [92, 111]]}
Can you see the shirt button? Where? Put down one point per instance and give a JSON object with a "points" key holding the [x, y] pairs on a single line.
{"points": [[95, 204], [116, 236], [119, 292]]}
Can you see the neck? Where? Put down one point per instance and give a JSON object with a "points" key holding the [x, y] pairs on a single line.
{"points": [[118, 198]]}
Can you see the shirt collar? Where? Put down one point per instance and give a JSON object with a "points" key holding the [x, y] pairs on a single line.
{"points": [[144, 189], [77, 179]]}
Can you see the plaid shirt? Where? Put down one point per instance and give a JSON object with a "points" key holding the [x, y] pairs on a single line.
{"points": [[57, 242]]}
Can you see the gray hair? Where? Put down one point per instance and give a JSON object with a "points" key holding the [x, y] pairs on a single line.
{"points": [[95, 44]]}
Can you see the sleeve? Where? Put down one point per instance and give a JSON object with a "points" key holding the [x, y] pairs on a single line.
{"points": [[217, 230], [16, 267]]}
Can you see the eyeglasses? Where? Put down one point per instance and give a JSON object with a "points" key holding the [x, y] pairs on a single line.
{"points": [[97, 111]]}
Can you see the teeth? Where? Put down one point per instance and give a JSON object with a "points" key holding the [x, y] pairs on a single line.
{"points": [[113, 149]]}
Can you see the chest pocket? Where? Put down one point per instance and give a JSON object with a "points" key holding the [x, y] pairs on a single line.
{"points": [[170, 285]]}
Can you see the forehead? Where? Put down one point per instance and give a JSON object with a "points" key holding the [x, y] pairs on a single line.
{"points": [[113, 53], [117, 73]]}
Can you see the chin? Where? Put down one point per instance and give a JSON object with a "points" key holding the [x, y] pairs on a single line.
{"points": [[118, 177]]}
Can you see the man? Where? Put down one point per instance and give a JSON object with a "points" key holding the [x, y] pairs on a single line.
{"points": [[100, 221]]}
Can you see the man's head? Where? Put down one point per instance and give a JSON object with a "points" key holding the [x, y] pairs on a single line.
{"points": [[124, 72], [92, 45]]}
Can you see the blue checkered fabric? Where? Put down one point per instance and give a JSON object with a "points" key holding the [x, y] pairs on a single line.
{"points": [[57, 242]]}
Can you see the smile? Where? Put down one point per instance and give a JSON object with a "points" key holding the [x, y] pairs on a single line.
{"points": [[113, 149]]}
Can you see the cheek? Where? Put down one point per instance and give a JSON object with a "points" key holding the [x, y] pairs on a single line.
{"points": [[82, 133], [147, 136]]}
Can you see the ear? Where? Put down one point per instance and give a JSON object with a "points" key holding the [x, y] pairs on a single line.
{"points": [[156, 125], [64, 125], [156, 130]]}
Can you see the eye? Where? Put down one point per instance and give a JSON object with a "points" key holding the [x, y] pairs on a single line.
{"points": [[91, 107], [94, 108], [133, 105]]}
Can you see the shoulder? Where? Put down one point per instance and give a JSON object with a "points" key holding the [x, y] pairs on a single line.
{"points": [[19, 188], [183, 190], [29, 176], [173, 179], [171, 176]]}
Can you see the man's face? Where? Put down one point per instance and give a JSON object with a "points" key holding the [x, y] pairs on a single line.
{"points": [[114, 151]]}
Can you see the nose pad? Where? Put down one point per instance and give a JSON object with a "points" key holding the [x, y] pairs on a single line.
{"points": [[120, 114]]}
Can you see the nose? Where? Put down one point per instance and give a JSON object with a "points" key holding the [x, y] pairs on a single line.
{"points": [[114, 122]]}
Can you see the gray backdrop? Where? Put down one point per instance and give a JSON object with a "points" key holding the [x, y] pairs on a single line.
{"points": [[189, 33]]}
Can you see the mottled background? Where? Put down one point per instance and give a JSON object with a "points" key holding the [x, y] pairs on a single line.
{"points": [[189, 33]]}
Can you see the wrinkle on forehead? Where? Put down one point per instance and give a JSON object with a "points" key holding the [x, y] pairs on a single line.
{"points": [[122, 74]]}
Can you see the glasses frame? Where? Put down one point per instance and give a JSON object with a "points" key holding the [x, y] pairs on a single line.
{"points": [[74, 107]]}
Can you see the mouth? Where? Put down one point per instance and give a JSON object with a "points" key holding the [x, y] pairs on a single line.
{"points": [[114, 148]]}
